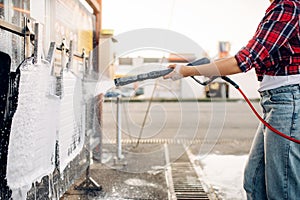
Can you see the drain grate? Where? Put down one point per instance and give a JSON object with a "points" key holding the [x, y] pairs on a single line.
{"points": [[186, 183], [173, 141]]}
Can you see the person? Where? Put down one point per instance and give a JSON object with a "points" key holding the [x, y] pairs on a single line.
{"points": [[272, 170]]}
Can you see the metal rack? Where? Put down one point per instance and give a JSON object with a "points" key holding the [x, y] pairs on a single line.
{"points": [[12, 28], [35, 38], [25, 32]]}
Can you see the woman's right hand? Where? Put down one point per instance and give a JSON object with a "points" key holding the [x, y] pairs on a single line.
{"points": [[176, 74]]}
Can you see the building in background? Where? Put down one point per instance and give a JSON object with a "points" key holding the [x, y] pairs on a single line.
{"points": [[106, 54], [185, 88]]}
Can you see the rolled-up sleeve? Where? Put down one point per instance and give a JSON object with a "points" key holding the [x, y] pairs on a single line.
{"points": [[251, 56]]}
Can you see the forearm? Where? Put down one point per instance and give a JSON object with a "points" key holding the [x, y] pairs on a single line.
{"points": [[221, 67]]}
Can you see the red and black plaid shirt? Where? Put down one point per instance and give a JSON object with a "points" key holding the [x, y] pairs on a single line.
{"points": [[275, 48]]}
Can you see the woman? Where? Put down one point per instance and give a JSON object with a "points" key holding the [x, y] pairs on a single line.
{"points": [[272, 171]]}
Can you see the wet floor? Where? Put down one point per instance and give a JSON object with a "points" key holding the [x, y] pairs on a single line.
{"points": [[144, 171]]}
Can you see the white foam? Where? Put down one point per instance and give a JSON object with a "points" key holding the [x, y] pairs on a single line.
{"points": [[70, 133], [31, 150], [225, 173]]}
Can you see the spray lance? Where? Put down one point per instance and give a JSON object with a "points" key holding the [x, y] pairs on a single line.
{"points": [[156, 74], [141, 77]]}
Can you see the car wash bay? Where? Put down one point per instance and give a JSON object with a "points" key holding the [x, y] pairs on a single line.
{"points": [[168, 146], [50, 62]]}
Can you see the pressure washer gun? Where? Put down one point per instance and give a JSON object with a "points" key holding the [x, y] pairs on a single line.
{"points": [[141, 77], [157, 74]]}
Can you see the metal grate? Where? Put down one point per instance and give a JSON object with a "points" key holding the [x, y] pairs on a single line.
{"points": [[173, 141], [186, 183]]}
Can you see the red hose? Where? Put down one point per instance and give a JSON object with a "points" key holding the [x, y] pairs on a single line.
{"points": [[251, 106], [266, 123]]}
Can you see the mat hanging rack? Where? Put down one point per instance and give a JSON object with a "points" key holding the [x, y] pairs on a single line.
{"points": [[12, 28]]}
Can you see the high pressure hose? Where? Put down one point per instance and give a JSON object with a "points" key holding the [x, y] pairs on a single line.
{"points": [[236, 86], [156, 74], [261, 119]]}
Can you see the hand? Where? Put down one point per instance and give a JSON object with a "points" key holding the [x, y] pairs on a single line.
{"points": [[176, 73]]}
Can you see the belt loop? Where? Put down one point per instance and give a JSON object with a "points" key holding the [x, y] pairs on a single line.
{"points": [[264, 93]]}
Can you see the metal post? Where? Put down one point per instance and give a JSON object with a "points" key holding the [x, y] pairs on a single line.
{"points": [[119, 160], [97, 152], [38, 48], [119, 132]]}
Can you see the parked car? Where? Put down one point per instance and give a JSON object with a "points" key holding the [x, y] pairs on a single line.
{"points": [[123, 92], [139, 91], [113, 93]]}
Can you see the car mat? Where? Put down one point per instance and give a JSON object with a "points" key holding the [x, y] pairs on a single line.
{"points": [[5, 62]]}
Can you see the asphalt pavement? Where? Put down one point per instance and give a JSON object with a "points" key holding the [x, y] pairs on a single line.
{"points": [[219, 123]]}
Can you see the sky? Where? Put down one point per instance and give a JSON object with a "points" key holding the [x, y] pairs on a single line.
{"points": [[205, 21]]}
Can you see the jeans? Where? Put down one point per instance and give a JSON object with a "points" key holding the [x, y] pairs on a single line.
{"points": [[273, 167]]}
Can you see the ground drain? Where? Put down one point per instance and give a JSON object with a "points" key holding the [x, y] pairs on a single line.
{"points": [[186, 183], [173, 141]]}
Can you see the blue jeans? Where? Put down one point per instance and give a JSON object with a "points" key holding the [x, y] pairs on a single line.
{"points": [[273, 168]]}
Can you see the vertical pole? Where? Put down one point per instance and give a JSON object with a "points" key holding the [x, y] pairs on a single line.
{"points": [[63, 54], [27, 43], [38, 30], [99, 114], [70, 61], [119, 125]]}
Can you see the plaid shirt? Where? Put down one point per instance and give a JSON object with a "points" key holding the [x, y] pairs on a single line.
{"points": [[275, 48]]}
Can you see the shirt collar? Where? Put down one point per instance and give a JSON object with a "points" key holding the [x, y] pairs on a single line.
{"points": [[273, 4]]}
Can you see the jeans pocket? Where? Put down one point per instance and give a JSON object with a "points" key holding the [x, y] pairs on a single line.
{"points": [[281, 98]]}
